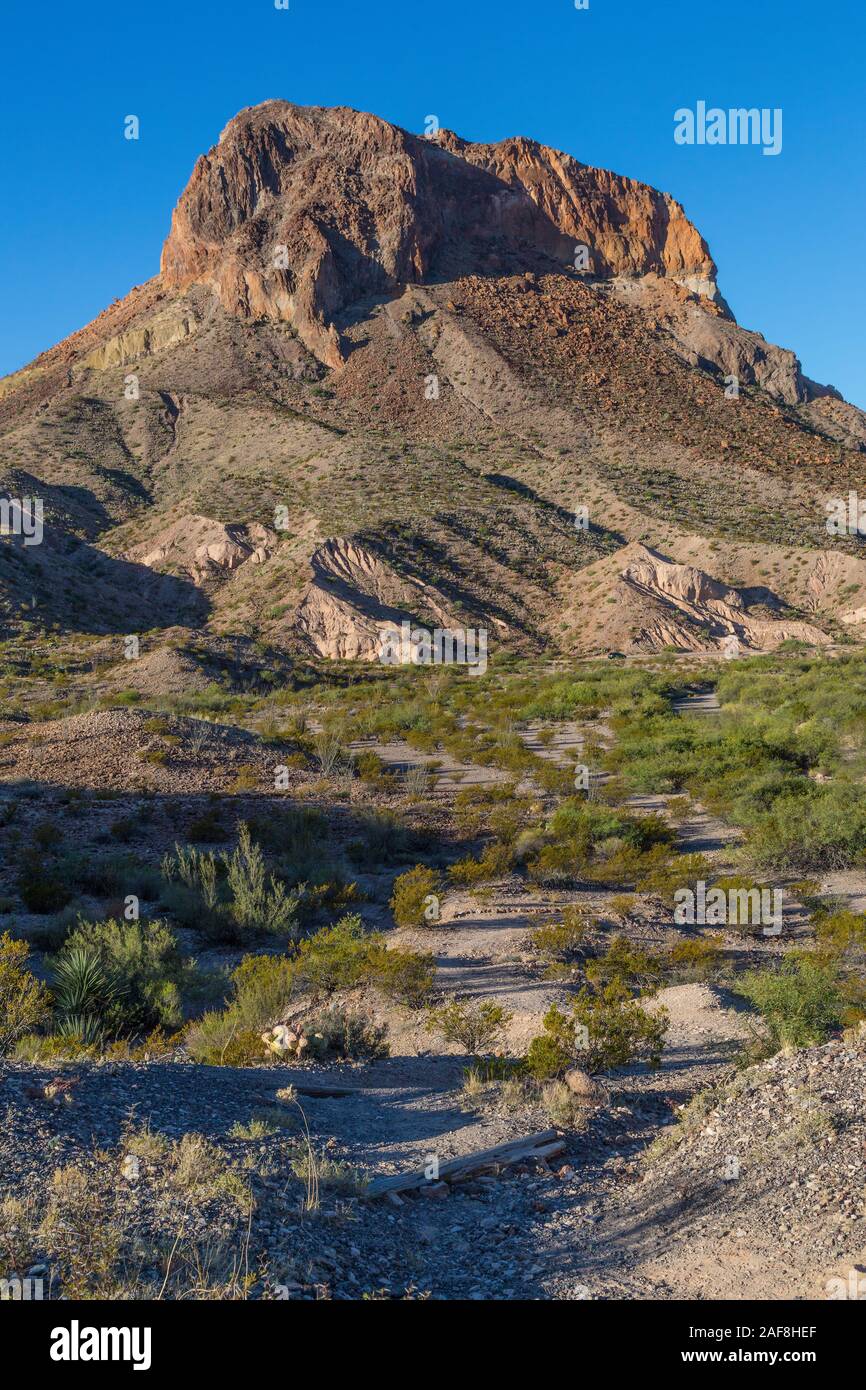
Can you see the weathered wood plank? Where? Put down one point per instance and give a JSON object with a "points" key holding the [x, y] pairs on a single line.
{"points": [[509, 1152]]}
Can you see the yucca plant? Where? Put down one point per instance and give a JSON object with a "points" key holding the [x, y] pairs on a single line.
{"points": [[83, 990], [86, 1029]]}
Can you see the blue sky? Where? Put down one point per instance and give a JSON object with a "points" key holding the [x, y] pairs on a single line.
{"points": [[85, 211]]}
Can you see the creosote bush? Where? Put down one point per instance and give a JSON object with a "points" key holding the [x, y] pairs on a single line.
{"points": [[801, 1002], [601, 1030], [24, 1000], [477, 1027], [415, 893]]}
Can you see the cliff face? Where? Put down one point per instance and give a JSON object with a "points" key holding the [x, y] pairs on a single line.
{"points": [[298, 212]]}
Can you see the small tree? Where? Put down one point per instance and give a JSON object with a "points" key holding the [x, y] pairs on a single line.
{"points": [[477, 1028], [24, 1000]]}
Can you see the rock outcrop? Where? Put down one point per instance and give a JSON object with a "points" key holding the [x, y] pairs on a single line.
{"points": [[354, 596], [642, 602], [205, 549], [298, 212]]}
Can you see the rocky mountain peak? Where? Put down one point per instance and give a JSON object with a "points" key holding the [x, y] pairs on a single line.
{"points": [[298, 212]]}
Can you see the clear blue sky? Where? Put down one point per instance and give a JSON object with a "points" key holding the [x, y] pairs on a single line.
{"points": [[85, 211]]}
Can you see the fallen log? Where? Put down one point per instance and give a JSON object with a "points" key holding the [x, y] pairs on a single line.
{"points": [[502, 1155], [550, 1150]]}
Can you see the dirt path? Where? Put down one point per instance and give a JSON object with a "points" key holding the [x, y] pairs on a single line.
{"points": [[573, 1233]]}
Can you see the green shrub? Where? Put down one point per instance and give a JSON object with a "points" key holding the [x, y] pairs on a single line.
{"points": [[562, 941], [345, 955], [840, 933], [338, 957], [602, 1030], [24, 1000], [476, 1027], [258, 903], [406, 976], [626, 963], [496, 861], [230, 897], [263, 987], [217, 1039], [370, 767], [415, 893], [696, 959], [142, 964], [801, 1002]]}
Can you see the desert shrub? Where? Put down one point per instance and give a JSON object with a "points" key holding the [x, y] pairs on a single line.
{"points": [[556, 864], [38, 1048], [841, 932], [406, 976], [602, 1030], [338, 957], [46, 835], [345, 955], [590, 841], [263, 987], [626, 963], [669, 873], [40, 883], [562, 1107], [695, 959], [24, 1000], [141, 966], [196, 870], [410, 900], [207, 827], [495, 861], [565, 940], [145, 1142], [477, 1027], [369, 767], [217, 1039], [337, 1032], [801, 1001], [258, 903], [553, 778], [622, 905], [329, 751], [114, 873], [230, 897], [593, 824]]}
